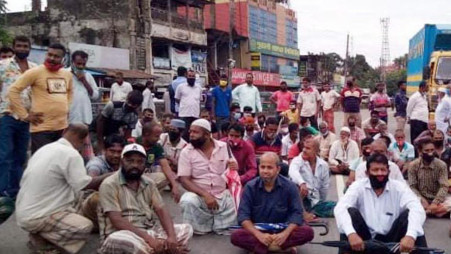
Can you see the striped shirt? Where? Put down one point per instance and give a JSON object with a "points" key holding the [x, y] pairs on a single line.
{"points": [[429, 182]]}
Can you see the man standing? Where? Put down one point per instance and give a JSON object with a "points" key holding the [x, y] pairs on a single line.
{"points": [[325, 139], [380, 101], [207, 205], [282, 98], [127, 223], [329, 100], [222, 98], [380, 208], [309, 103], [351, 97], [417, 111], [14, 132], [45, 203], [443, 110], [173, 143], [148, 95], [342, 152], [401, 105], [270, 198], [248, 95], [51, 96], [181, 79], [120, 89]]}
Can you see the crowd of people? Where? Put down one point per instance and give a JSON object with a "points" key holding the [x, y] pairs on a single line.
{"points": [[261, 178]]}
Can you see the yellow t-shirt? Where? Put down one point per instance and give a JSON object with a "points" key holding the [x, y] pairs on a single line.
{"points": [[292, 116], [51, 94]]}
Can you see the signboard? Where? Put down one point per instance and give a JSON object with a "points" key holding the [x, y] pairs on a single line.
{"points": [[180, 58], [199, 60], [255, 61], [104, 57], [260, 78], [273, 49]]}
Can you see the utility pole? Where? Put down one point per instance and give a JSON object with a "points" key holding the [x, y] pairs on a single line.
{"points": [[232, 26], [345, 71], [385, 50]]}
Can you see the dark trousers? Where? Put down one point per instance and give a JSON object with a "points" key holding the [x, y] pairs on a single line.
{"points": [[42, 138], [14, 138], [396, 233], [221, 120], [188, 121], [313, 121], [416, 128], [246, 240]]}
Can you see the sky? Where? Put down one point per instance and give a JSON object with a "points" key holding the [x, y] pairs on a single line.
{"points": [[324, 24]]}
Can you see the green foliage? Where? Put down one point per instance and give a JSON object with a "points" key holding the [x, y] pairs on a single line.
{"points": [[365, 75], [3, 8], [392, 80]]}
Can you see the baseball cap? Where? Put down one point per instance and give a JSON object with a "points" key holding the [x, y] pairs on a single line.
{"points": [[137, 148]]}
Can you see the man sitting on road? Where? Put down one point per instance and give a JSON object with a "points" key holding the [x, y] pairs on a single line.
{"points": [[173, 143], [267, 140], [380, 208], [371, 125], [110, 160], [45, 203], [342, 152], [207, 205], [311, 174], [325, 139], [357, 134], [365, 152], [383, 131], [428, 178], [432, 126], [270, 198], [148, 116], [290, 139], [128, 200], [402, 151]]}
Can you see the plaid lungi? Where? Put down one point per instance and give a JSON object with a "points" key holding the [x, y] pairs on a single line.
{"points": [[125, 241], [204, 220]]}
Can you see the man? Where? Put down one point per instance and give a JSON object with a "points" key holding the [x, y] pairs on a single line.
{"points": [[309, 102], [45, 203], [417, 111], [248, 94], [329, 99], [428, 133], [351, 97], [402, 151], [120, 89], [222, 99], [293, 113], [148, 99], [180, 79], [325, 139], [157, 161], [401, 105], [250, 128], [267, 140], [297, 148], [365, 152], [205, 114], [243, 153], [207, 205], [443, 110], [383, 131], [357, 134], [311, 174], [173, 143], [6, 53], [51, 96], [188, 96], [289, 140], [14, 132], [380, 101], [282, 98], [371, 125], [110, 160], [342, 152], [428, 178], [118, 118], [270, 198], [166, 122], [380, 208], [148, 116], [126, 219]]}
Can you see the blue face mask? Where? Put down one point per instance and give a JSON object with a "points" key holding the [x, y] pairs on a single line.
{"points": [[77, 70]]}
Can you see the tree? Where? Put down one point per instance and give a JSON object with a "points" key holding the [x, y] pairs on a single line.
{"points": [[5, 37], [392, 80], [3, 8], [359, 68]]}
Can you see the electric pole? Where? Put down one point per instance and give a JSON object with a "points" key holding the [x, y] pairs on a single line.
{"points": [[385, 50], [232, 26], [345, 69]]}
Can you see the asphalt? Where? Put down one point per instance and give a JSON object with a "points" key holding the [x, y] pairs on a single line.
{"points": [[13, 239]]}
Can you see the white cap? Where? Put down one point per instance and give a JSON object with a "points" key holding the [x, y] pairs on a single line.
{"points": [[442, 90], [345, 129], [202, 123], [134, 148]]}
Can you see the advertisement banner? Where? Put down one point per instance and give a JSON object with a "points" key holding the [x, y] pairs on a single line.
{"points": [[103, 57], [255, 61], [199, 60], [273, 49], [260, 78], [180, 58]]}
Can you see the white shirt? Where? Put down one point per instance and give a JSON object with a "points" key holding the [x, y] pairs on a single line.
{"points": [[392, 138], [120, 92], [338, 152], [247, 95], [443, 114], [395, 173], [286, 144], [417, 107], [329, 99], [300, 172], [55, 174], [148, 100], [81, 109], [325, 144], [189, 97], [172, 153], [309, 101], [380, 212]]}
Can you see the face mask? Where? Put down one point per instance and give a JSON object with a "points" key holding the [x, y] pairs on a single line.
{"points": [[438, 143], [191, 81], [22, 55], [147, 119], [325, 133], [237, 115], [128, 109], [366, 153], [222, 83], [284, 131], [52, 67], [247, 114], [198, 143], [376, 184], [351, 124], [261, 123], [173, 135], [249, 128], [233, 142], [427, 157]]}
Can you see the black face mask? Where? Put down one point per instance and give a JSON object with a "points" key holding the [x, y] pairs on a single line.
{"points": [[249, 128], [261, 123], [173, 135], [438, 143], [351, 124], [428, 158], [132, 175], [22, 55], [198, 143], [366, 153], [128, 109], [191, 81], [376, 184]]}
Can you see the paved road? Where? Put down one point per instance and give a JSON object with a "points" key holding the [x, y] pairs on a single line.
{"points": [[13, 240]]}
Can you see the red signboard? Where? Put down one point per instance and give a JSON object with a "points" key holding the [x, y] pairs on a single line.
{"points": [[260, 78]]}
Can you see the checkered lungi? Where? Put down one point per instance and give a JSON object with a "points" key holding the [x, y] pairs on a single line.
{"points": [[204, 220], [125, 241], [67, 229]]}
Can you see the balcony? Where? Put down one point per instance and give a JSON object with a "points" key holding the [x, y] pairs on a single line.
{"points": [[177, 20]]}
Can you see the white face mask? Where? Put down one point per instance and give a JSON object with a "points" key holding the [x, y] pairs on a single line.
{"points": [[284, 131]]}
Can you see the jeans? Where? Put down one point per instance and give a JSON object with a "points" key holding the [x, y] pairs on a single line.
{"points": [[42, 138], [14, 138]]}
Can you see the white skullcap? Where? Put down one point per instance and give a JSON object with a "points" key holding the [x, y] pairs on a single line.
{"points": [[202, 123], [345, 129], [442, 90]]}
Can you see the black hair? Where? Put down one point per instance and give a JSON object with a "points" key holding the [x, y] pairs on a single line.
{"points": [[306, 79], [148, 109], [401, 82], [284, 82], [271, 120], [247, 108], [250, 73], [367, 141], [303, 133], [376, 158], [6, 50], [181, 71], [237, 127], [422, 142], [135, 97], [234, 106], [422, 84], [386, 139], [114, 139], [58, 46], [225, 127], [293, 127], [79, 53], [374, 112], [148, 127], [304, 120], [21, 38]]}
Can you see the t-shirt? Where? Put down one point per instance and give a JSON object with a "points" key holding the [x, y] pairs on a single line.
{"points": [[222, 101], [51, 94], [189, 97], [309, 99], [351, 99], [380, 98], [120, 92], [154, 154], [283, 100], [366, 125], [117, 117], [329, 99], [98, 166], [293, 116]]}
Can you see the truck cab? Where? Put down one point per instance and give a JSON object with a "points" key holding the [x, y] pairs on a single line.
{"points": [[438, 74]]}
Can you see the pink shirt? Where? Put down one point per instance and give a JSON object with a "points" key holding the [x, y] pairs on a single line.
{"points": [[204, 172], [380, 99], [283, 100]]}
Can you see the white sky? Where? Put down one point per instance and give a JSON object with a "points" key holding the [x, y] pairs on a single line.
{"points": [[323, 24]]}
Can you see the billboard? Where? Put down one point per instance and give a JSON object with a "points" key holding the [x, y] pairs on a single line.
{"points": [[104, 57], [273, 49]]}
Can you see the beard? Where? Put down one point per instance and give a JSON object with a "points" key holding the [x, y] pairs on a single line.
{"points": [[198, 143], [131, 174], [376, 184]]}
